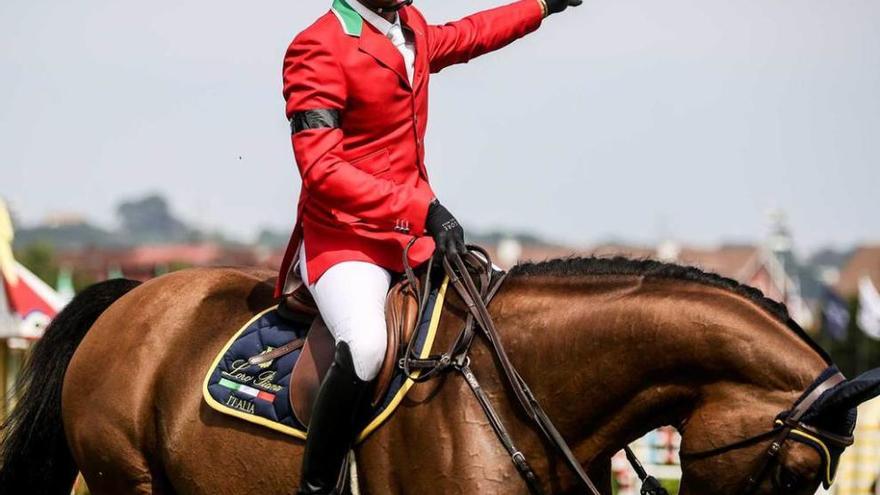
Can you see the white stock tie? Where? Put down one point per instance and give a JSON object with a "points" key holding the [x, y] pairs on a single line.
{"points": [[395, 34]]}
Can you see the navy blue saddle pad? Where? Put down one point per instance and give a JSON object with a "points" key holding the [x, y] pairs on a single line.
{"points": [[260, 393]]}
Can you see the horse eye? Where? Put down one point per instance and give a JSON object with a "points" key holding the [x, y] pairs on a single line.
{"points": [[787, 479]]}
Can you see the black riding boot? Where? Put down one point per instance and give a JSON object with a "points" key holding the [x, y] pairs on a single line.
{"points": [[333, 425]]}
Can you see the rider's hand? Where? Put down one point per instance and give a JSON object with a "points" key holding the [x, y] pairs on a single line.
{"points": [[554, 6], [445, 229]]}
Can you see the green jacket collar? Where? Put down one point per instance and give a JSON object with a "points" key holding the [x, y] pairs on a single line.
{"points": [[352, 22]]}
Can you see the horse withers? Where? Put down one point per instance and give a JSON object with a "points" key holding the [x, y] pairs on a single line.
{"points": [[612, 348]]}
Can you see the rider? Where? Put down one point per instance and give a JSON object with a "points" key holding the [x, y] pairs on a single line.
{"points": [[356, 86]]}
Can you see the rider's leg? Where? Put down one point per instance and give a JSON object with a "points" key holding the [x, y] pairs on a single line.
{"points": [[332, 427], [351, 299]]}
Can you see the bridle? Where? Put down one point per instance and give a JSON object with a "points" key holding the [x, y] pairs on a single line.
{"points": [[788, 426]]}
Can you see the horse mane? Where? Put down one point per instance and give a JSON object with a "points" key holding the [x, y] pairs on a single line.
{"points": [[618, 265]]}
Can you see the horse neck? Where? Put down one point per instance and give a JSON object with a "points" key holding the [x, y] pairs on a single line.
{"points": [[614, 357]]}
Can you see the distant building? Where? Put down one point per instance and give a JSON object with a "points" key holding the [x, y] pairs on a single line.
{"points": [[148, 261], [865, 261], [60, 219]]}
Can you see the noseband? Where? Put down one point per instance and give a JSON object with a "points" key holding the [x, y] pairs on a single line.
{"points": [[788, 426]]}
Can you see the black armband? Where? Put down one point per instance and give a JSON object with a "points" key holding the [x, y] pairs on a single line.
{"points": [[314, 119]]}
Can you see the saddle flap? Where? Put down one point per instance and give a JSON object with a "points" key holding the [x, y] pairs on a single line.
{"points": [[401, 312], [310, 369], [299, 305], [297, 302]]}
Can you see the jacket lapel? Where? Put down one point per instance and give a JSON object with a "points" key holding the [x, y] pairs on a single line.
{"points": [[379, 47], [421, 60]]}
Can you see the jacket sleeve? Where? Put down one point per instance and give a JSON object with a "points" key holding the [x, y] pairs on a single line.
{"points": [[458, 42], [313, 80]]}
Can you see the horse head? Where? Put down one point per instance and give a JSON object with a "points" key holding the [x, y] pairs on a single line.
{"points": [[829, 423], [810, 439], [802, 449]]}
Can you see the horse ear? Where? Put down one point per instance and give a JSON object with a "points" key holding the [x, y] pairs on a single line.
{"points": [[847, 395]]}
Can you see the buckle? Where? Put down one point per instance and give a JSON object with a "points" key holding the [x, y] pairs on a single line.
{"points": [[461, 361]]}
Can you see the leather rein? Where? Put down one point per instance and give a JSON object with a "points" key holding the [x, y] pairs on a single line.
{"points": [[476, 298]]}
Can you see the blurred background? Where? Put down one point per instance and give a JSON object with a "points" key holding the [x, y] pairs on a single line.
{"points": [[740, 137]]}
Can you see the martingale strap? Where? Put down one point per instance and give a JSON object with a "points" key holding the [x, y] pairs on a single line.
{"points": [[475, 299], [519, 460]]}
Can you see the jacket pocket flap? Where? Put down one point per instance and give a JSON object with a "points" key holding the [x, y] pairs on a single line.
{"points": [[375, 162]]}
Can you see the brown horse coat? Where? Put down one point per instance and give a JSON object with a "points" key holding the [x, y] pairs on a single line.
{"points": [[610, 357]]}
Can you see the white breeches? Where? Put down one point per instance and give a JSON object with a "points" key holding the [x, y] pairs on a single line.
{"points": [[351, 298]]}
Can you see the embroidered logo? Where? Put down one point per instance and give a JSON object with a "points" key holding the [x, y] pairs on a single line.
{"points": [[267, 363]]}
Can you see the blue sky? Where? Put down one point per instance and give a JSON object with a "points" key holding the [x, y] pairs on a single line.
{"points": [[632, 119]]}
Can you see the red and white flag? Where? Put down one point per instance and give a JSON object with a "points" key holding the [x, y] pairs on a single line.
{"points": [[27, 304]]}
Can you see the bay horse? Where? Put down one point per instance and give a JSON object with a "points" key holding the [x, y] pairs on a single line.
{"points": [[612, 348]]}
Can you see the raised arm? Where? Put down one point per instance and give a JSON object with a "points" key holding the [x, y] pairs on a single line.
{"points": [[315, 90], [458, 42], [483, 32]]}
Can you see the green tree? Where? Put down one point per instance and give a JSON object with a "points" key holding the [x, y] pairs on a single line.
{"points": [[39, 258], [81, 280]]}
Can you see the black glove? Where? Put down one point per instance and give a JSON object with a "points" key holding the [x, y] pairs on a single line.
{"points": [[554, 6], [445, 229]]}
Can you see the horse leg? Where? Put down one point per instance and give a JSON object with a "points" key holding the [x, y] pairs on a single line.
{"points": [[119, 473], [111, 462], [149, 483]]}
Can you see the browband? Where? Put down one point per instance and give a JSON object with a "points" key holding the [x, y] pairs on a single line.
{"points": [[314, 119]]}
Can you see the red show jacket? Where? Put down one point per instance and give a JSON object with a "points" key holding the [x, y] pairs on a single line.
{"points": [[365, 190]]}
